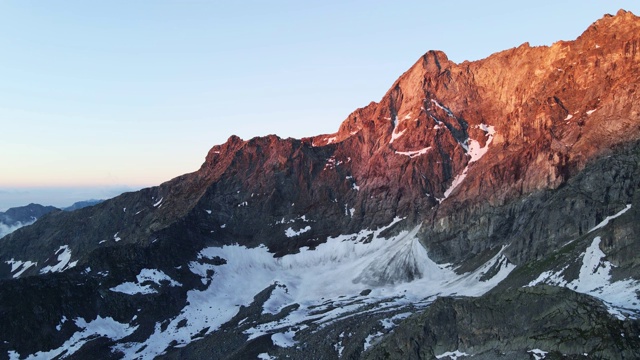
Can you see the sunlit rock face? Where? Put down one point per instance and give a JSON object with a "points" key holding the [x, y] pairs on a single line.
{"points": [[505, 175]]}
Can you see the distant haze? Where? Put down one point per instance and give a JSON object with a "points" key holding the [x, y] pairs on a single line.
{"points": [[59, 197]]}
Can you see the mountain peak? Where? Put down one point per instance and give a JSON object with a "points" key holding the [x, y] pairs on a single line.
{"points": [[623, 23]]}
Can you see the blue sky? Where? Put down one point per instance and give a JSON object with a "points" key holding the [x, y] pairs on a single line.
{"points": [[115, 94]]}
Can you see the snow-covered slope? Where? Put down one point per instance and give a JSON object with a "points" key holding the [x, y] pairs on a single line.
{"points": [[347, 275]]}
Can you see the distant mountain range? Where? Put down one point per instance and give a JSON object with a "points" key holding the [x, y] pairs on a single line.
{"points": [[82, 204], [17, 217], [482, 210]]}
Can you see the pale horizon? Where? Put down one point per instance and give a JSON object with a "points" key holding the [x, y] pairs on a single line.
{"points": [[60, 197]]}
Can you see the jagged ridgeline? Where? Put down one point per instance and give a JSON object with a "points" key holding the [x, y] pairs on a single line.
{"points": [[485, 209]]}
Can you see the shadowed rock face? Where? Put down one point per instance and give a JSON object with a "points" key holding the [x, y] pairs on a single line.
{"points": [[514, 155], [509, 324]]}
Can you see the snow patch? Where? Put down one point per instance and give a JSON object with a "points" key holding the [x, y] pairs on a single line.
{"points": [[414, 153], [100, 327], [292, 233], [395, 135], [145, 276], [18, 267], [64, 258], [455, 183], [116, 238], [158, 203], [339, 348], [208, 212], [284, 340], [589, 112], [331, 163], [266, 356], [605, 222], [569, 117], [62, 321], [392, 322], [538, 354], [371, 340], [476, 152], [452, 355], [442, 107]]}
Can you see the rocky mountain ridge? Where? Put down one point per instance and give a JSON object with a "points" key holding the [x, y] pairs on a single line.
{"points": [[494, 174], [17, 217]]}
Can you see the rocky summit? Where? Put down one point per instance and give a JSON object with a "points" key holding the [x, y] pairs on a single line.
{"points": [[487, 209]]}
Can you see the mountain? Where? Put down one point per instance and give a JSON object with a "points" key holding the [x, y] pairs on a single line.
{"points": [[18, 217], [484, 209], [82, 204]]}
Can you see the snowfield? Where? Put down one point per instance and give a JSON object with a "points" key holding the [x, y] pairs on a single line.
{"points": [[327, 283]]}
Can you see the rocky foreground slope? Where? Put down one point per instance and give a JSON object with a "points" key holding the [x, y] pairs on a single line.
{"points": [[486, 208]]}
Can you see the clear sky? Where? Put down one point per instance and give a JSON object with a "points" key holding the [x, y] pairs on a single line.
{"points": [[108, 95]]}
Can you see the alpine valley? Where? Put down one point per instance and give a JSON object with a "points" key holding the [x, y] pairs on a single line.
{"points": [[487, 209]]}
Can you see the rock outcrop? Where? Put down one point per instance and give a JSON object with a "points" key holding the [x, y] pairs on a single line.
{"points": [[513, 325]]}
